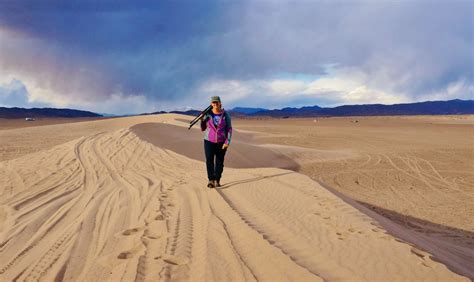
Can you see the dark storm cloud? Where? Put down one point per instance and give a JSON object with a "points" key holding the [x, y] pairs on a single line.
{"points": [[142, 49], [402, 45], [164, 50]]}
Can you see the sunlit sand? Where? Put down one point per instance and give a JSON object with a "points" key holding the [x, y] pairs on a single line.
{"points": [[104, 200]]}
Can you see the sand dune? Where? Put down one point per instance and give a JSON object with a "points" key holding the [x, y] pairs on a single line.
{"points": [[107, 205], [449, 245], [244, 154]]}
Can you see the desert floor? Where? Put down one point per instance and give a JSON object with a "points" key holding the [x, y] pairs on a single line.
{"points": [[417, 171], [421, 167], [6, 123], [113, 199]]}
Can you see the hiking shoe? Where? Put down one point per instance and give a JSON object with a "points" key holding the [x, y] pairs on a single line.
{"points": [[217, 183], [210, 184]]}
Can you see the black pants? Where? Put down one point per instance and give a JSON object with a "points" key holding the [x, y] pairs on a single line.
{"points": [[214, 151]]}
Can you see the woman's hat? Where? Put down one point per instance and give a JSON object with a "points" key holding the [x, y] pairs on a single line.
{"points": [[215, 99]]}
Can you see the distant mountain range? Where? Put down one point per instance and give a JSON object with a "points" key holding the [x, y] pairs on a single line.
{"points": [[44, 112], [451, 107], [247, 111]]}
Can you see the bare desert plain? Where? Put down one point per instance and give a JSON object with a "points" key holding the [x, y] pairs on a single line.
{"points": [[356, 198]]}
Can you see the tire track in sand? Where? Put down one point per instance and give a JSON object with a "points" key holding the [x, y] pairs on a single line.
{"points": [[132, 211]]}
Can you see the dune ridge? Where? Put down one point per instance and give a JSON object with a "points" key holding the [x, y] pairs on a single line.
{"points": [[110, 206]]}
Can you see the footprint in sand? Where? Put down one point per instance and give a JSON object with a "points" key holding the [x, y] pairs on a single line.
{"points": [[418, 252], [153, 236], [375, 224], [175, 260], [125, 255], [267, 238], [130, 231], [340, 236], [425, 265]]}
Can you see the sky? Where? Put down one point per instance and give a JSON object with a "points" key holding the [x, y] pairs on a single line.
{"points": [[126, 57]]}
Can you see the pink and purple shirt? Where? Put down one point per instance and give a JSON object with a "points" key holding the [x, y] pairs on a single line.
{"points": [[220, 132]]}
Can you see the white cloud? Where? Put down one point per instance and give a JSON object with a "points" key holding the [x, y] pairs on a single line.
{"points": [[342, 86], [229, 90], [286, 86], [38, 94], [16, 92], [351, 86], [365, 95], [460, 89], [12, 92], [119, 103], [330, 84]]}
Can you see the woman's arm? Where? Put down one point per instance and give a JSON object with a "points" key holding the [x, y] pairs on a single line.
{"points": [[229, 129], [204, 122]]}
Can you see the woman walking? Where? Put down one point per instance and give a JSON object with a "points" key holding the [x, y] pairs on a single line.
{"points": [[217, 127]]}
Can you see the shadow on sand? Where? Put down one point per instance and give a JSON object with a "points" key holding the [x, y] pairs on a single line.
{"points": [[233, 183]]}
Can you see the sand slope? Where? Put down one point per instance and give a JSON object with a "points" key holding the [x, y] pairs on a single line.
{"points": [[245, 152], [109, 206]]}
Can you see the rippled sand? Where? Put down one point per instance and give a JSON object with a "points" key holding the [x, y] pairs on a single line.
{"points": [[94, 201]]}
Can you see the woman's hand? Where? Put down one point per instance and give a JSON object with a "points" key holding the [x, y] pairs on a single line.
{"points": [[225, 146]]}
